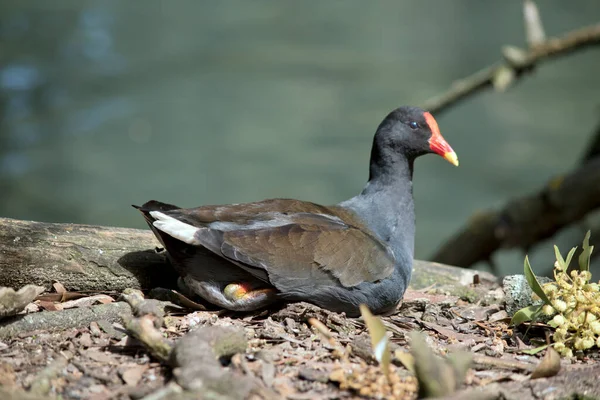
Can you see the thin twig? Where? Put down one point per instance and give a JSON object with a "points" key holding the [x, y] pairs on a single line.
{"points": [[551, 48]]}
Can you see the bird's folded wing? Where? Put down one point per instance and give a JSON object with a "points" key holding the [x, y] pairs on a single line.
{"points": [[284, 238], [311, 251]]}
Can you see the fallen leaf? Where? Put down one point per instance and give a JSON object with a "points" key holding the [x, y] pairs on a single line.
{"points": [[59, 288], [31, 308], [186, 302], [499, 316], [88, 301], [49, 305], [60, 297], [549, 366]]}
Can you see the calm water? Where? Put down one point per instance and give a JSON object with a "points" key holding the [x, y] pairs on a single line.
{"points": [[105, 104]]}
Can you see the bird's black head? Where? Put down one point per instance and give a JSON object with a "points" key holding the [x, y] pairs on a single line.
{"points": [[411, 132]]}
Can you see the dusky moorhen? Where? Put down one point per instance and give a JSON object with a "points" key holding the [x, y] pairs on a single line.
{"points": [[245, 256]]}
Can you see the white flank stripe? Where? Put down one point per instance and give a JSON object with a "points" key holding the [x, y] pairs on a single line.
{"points": [[175, 228]]}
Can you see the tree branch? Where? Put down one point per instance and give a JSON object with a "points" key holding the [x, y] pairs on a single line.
{"points": [[593, 148], [516, 60], [525, 221]]}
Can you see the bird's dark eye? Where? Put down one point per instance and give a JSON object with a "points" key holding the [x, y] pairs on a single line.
{"points": [[413, 125]]}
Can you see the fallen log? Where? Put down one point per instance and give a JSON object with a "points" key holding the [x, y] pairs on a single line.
{"points": [[81, 257]]}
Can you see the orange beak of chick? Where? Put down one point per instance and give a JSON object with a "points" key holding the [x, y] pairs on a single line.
{"points": [[437, 143]]}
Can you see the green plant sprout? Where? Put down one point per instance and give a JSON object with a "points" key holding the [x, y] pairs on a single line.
{"points": [[572, 300]]}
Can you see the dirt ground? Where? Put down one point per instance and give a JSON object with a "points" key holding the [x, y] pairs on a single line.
{"points": [[278, 353]]}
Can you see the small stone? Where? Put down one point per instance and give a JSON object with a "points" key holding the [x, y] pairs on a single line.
{"points": [[498, 316], [518, 293]]}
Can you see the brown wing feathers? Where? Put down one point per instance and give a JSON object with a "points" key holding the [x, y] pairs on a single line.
{"points": [[292, 239], [296, 250]]}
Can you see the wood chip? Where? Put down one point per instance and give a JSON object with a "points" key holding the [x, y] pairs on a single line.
{"points": [[95, 329], [85, 340], [133, 375], [100, 356], [499, 316], [49, 305]]}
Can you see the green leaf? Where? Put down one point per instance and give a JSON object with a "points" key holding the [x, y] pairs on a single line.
{"points": [[570, 256], [584, 257], [525, 314], [534, 351], [559, 259], [533, 282]]}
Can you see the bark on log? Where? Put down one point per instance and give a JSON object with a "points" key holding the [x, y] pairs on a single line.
{"points": [[81, 257], [64, 319]]}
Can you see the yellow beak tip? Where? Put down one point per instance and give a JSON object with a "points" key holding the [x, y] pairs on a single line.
{"points": [[451, 158]]}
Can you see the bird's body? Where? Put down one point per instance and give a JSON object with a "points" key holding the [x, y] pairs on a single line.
{"points": [[246, 256]]}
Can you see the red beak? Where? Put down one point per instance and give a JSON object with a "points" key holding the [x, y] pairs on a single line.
{"points": [[437, 143]]}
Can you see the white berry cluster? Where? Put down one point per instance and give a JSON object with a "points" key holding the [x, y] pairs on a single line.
{"points": [[575, 305]]}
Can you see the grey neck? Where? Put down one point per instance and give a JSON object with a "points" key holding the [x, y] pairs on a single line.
{"points": [[386, 206]]}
